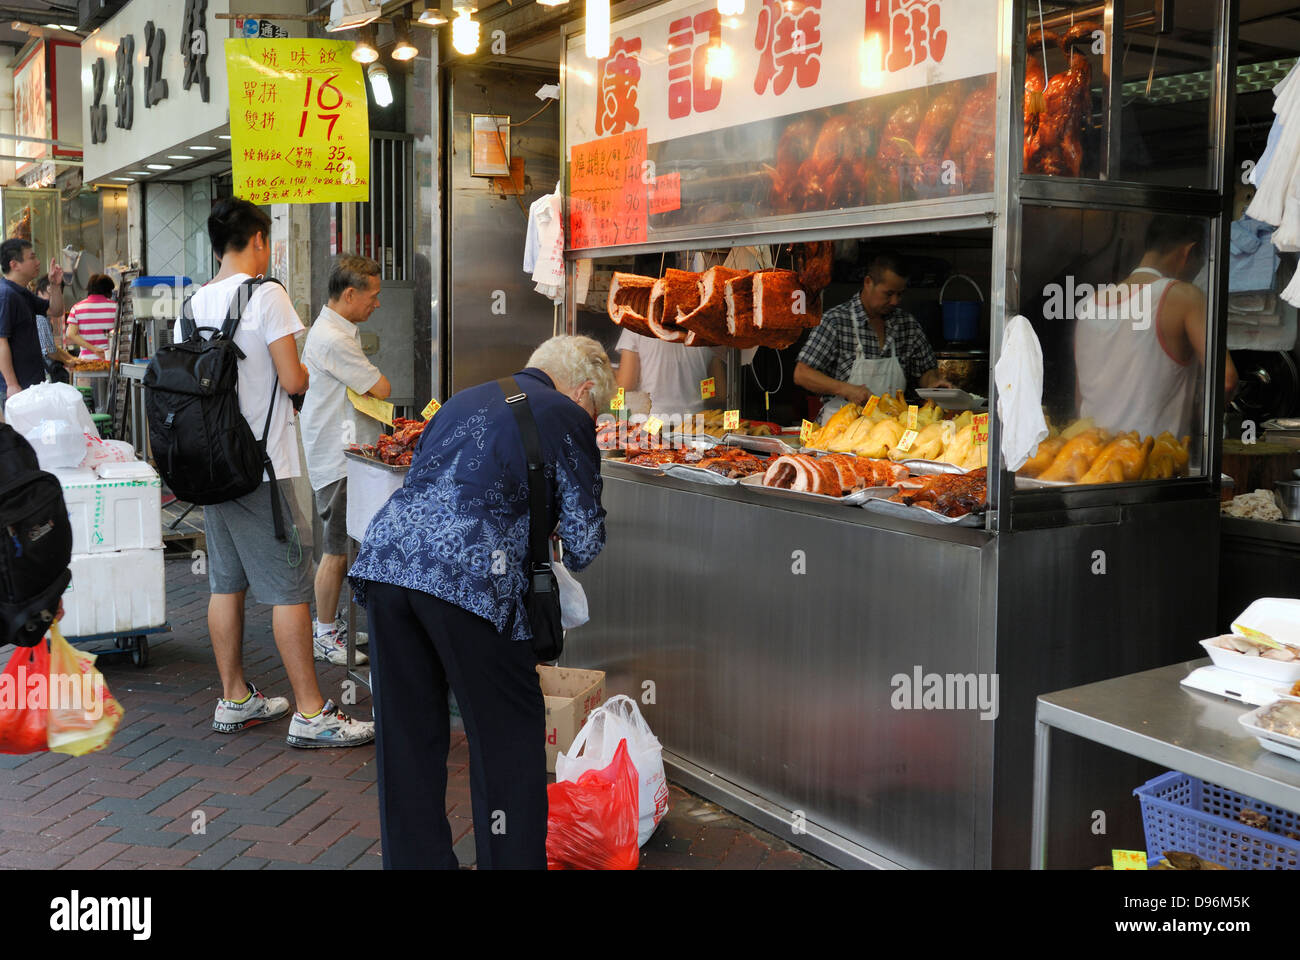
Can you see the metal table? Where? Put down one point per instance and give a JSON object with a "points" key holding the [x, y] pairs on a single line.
{"points": [[1152, 716]]}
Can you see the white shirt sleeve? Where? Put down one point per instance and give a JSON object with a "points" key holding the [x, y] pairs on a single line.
{"points": [[275, 313], [348, 364], [627, 341]]}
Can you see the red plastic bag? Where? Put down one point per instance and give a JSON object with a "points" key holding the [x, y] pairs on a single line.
{"points": [[592, 824], [24, 699]]}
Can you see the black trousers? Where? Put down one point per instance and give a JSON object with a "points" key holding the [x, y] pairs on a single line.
{"points": [[418, 645]]}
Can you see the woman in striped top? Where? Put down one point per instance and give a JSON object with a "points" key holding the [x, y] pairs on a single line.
{"points": [[90, 322]]}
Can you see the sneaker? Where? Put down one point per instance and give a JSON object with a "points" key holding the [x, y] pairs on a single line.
{"points": [[333, 646], [330, 728], [341, 625], [232, 717]]}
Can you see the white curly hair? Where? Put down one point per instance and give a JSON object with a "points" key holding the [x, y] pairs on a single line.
{"points": [[572, 361]]}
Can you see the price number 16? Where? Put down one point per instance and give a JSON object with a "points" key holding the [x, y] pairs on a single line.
{"points": [[321, 93]]}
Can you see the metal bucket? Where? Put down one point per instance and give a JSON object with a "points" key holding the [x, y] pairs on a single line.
{"points": [[1287, 495]]}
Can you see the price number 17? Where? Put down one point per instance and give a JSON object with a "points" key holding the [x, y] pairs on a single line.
{"points": [[321, 92]]}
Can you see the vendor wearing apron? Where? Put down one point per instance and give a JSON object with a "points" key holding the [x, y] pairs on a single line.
{"points": [[867, 345]]}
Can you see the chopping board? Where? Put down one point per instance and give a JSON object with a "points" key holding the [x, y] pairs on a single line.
{"points": [[1257, 466]]}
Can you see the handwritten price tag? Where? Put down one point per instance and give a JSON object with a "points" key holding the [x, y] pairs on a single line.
{"points": [[905, 444], [806, 431], [731, 420], [433, 407], [912, 415], [1128, 859], [708, 389], [617, 402], [653, 426], [380, 410], [869, 407], [980, 425]]}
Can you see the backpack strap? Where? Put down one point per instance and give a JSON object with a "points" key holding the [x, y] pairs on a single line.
{"points": [[188, 328], [539, 520], [277, 519], [247, 290]]}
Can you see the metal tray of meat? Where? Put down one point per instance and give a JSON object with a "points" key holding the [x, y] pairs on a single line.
{"points": [[905, 512], [683, 471], [855, 499], [622, 464], [759, 444], [707, 439], [930, 468], [374, 461]]}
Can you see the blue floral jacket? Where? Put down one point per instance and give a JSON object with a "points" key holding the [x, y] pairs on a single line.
{"points": [[458, 527]]}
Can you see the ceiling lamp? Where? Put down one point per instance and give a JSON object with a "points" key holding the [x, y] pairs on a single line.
{"points": [[404, 49], [365, 50], [731, 8], [464, 33], [347, 14], [597, 29], [432, 15], [552, 3], [379, 85]]}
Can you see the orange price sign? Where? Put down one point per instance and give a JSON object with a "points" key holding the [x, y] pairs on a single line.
{"points": [[609, 202], [869, 407], [708, 389], [433, 407], [905, 444], [912, 415]]}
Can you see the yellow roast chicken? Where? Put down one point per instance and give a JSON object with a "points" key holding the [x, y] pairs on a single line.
{"points": [[881, 438], [928, 444], [1043, 457], [1123, 460], [1168, 457], [1076, 456], [835, 426]]}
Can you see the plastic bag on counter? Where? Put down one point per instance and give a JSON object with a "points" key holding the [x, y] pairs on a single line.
{"points": [[99, 451], [592, 822], [616, 721], [23, 722], [48, 401], [58, 443]]}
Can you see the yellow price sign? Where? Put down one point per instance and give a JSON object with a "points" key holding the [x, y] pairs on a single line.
{"points": [[908, 438], [980, 427], [1128, 859], [912, 416], [617, 402], [373, 407], [731, 420], [299, 122], [708, 389], [806, 431], [433, 407], [653, 426], [869, 407]]}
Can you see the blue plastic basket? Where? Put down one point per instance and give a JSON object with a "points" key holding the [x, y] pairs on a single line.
{"points": [[1180, 812]]}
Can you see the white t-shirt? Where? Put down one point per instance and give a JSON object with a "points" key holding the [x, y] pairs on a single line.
{"points": [[334, 362], [670, 372], [268, 317]]}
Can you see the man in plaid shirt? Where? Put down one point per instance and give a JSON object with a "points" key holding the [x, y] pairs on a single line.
{"points": [[868, 345]]}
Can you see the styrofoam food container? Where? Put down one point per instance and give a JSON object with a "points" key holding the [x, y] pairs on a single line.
{"points": [[121, 509], [1254, 666], [114, 593], [1270, 739], [1279, 617]]}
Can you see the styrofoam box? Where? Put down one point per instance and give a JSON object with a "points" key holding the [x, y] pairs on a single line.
{"points": [[115, 593], [369, 487], [121, 509]]}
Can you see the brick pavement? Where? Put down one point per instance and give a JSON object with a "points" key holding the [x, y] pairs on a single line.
{"points": [[170, 792]]}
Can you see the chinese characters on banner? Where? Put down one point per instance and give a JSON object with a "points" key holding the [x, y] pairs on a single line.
{"points": [[911, 32], [299, 127], [608, 198], [619, 73], [789, 41]]}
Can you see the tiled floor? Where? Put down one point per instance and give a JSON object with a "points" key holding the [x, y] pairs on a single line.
{"points": [[169, 792]]}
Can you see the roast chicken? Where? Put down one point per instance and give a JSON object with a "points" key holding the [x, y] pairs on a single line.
{"points": [[973, 145], [1056, 147]]}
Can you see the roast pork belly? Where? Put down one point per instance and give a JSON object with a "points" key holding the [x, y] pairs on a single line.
{"points": [[706, 324], [629, 302], [676, 291]]}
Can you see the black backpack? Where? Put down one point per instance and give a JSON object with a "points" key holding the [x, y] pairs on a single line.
{"points": [[35, 543], [202, 445]]}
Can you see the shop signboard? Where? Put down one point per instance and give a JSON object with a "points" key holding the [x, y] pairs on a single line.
{"points": [[299, 126], [46, 95], [789, 107]]}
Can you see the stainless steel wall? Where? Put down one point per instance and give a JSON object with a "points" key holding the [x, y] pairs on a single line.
{"points": [[484, 236], [780, 682]]}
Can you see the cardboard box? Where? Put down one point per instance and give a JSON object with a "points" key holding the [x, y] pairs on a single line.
{"points": [[571, 695]]}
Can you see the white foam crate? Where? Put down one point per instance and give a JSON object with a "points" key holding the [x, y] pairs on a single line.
{"points": [[115, 593], [121, 509]]}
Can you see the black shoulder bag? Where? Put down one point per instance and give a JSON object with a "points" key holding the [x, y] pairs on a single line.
{"points": [[543, 600]]}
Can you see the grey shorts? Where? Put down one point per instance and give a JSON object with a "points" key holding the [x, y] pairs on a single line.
{"points": [[242, 548], [332, 508]]}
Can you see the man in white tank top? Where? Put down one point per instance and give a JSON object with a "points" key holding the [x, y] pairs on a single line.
{"points": [[1139, 346]]}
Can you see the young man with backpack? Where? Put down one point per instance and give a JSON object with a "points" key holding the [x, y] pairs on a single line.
{"points": [[253, 537]]}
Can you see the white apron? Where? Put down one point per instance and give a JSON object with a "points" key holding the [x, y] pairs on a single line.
{"points": [[881, 376]]}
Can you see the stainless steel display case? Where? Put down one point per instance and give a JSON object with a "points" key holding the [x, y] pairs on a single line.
{"points": [[771, 690]]}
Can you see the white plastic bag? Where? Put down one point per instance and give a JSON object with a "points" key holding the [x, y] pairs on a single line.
{"points": [[57, 443], [619, 719], [106, 451], [573, 599], [48, 401]]}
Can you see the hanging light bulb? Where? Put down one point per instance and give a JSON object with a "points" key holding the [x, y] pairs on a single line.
{"points": [[552, 3], [731, 8], [364, 50], [719, 62], [597, 29], [432, 15], [403, 49], [464, 33], [379, 84]]}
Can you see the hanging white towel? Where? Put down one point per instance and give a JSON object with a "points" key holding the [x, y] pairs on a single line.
{"points": [[1019, 377]]}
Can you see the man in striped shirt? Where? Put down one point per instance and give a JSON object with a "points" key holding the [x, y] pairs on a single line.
{"points": [[90, 321]]}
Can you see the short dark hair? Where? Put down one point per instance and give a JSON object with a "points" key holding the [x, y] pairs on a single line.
{"points": [[350, 270], [100, 284], [233, 223], [15, 248], [1166, 232], [883, 263], [43, 284]]}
